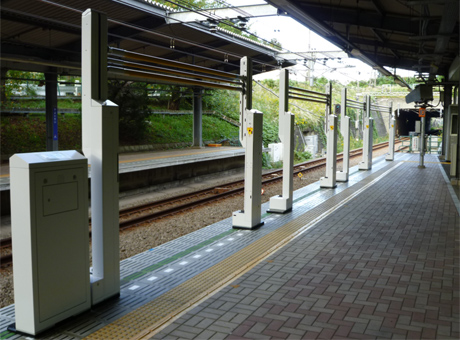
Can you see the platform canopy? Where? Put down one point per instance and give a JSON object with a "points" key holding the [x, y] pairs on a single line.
{"points": [[39, 34], [418, 35]]}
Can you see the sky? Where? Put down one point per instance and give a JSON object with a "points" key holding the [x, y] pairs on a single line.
{"points": [[297, 38]]}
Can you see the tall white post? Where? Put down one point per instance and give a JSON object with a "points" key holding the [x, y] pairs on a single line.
{"points": [[100, 145], [251, 139], [342, 176], [283, 203], [391, 142], [329, 181], [368, 136]]}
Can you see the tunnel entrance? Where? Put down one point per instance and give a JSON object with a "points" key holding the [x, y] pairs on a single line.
{"points": [[406, 121]]}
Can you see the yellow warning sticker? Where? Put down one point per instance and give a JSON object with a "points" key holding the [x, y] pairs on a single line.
{"points": [[250, 129], [392, 125], [300, 175], [367, 126], [332, 127]]}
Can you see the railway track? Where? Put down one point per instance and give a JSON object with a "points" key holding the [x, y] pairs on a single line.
{"points": [[139, 215]]}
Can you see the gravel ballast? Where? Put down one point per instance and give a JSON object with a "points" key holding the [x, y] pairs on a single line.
{"points": [[136, 240]]}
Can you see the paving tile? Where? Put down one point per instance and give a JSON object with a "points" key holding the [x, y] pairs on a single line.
{"points": [[382, 266]]}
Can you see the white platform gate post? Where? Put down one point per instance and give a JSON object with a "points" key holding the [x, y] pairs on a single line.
{"points": [[391, 143], [251, 139], [100, 146], [368, 135], [329, 181], [342, 176], [283, 203]]}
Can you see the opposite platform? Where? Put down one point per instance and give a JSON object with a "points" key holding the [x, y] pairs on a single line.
{"points": [[375, 257], [139, 161]]}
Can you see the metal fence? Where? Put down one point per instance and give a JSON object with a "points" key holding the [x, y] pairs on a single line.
{"points": [[412, 144]]}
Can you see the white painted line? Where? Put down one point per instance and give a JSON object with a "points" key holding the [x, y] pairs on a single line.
{"points": [[169, 270], [220, 244], [133, 287], [209, 250], [183, 263], [230, 239], [196, 256], [152, 278]]}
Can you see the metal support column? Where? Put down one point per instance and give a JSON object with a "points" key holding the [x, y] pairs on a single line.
{"points": [[197, 117], [283, 203], [422, 143], [447, 123], [342, 176], [251, 139], [51, 110], [100, 145], [329, 181], [3, 71], [368, 136]]}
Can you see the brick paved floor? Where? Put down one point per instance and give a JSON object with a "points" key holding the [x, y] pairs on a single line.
{"points": [[385, 265]]}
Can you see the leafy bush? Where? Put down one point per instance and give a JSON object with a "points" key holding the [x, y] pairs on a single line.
{"points": [[266, 160], [301, 156], [179, 129], [277, 165], [269, 133], [224, 102], [22, 134], [133, 103]]}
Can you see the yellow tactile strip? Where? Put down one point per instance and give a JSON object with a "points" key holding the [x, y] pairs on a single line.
{"points": [[146, 320]]}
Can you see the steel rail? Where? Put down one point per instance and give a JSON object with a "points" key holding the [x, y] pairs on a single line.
{"points": [[307, 166], [166, 62], [5, 242], [122, 63], [169, 79]]}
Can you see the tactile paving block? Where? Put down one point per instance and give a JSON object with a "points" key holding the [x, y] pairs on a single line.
{"points": [[193, 249], [151, 316]]}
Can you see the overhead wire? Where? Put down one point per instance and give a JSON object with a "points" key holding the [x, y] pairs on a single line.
{"points": [[166, 36], [162, 35], [226, 21]]}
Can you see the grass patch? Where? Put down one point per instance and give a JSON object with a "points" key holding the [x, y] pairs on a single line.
{"points": [[28, 134], [179, 129], [62, 103]]}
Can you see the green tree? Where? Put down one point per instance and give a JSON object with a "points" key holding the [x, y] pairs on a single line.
{"points": [[15, 82], [133, 102]]}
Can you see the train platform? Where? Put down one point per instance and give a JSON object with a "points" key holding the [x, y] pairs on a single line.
{"points": [[140, 161], [376, 257]]}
